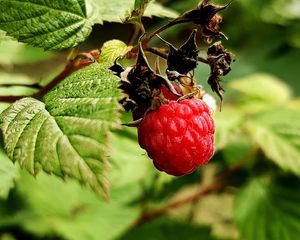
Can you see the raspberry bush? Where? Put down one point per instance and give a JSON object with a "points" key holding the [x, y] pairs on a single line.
{"points": [[127, 119]]}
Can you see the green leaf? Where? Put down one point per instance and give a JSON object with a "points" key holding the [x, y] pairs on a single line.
{"points": [[118, 10], [239, 149], [113, 49], [261, 91], [68, 134], [266, 211], [3, 36], [167, 228], [9, 173], [262, 86], [157, 10], [13, 78], [127, 158], [48, 24], [277, 133], [13, 52], [140, 3], [53, 206], [228, 124]]}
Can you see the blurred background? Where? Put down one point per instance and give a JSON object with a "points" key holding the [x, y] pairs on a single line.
{"points": [[257, 145]]}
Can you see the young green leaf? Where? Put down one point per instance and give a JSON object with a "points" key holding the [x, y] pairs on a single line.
{"points": [[113, 49], [67, 134], [48, 24], [277, 133], [266, 211]]}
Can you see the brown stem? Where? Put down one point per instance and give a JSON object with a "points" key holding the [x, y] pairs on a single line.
{"points": [[219, 184], [157, 52], [149, 215], [43, 91], [10, 99], [79, 61], [203, 60]]}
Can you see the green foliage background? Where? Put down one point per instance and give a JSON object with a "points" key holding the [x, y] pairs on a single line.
{"points": [[258, 132]]}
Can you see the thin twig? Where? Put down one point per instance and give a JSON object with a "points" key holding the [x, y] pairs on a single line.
{"points": [[42, 92], [157, 52], [149, 215], [203, 60], [79, 61], [219, 184]]}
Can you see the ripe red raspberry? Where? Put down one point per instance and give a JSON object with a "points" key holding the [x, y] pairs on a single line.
{"points": [[169, 95], [178, 136]]}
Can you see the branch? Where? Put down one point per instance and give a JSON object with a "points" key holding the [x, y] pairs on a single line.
{"points": [[158, 51], [79, 61], [10, 99], [150, 215], [218, 185]]}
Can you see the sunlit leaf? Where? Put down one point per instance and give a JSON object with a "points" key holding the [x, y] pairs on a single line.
{"points": [[113, 49], [277, 133], [157, 10], [118, 10], [260, 91]]}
